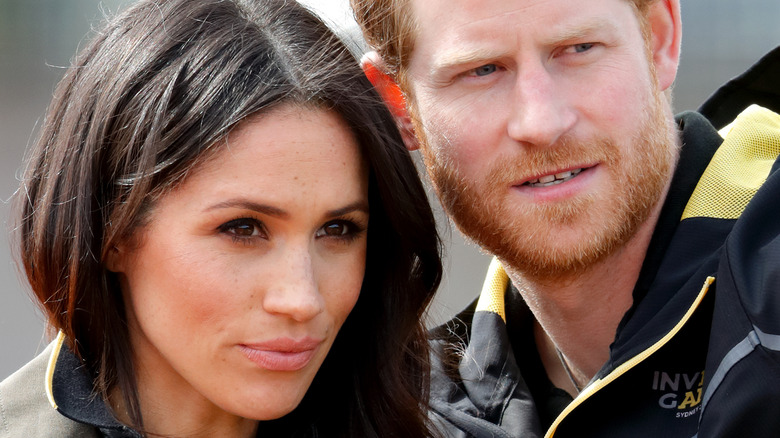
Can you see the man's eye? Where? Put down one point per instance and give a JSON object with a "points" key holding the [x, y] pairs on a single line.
{"points": [[584, 47], [485, 70]]}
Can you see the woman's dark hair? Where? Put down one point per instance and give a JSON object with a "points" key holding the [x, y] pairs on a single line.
{"points": [[150, 97]]}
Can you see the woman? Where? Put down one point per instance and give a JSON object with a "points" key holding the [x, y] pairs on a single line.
{"points": [[194, 221]]}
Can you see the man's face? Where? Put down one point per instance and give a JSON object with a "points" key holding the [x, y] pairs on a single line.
{"points": [[542, 126]]}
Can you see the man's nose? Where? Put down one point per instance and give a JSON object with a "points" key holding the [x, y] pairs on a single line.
{"points": [[291, 286], [540, 112]]}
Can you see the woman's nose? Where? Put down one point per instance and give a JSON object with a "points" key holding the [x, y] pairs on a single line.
{"points": [[292, 290]]}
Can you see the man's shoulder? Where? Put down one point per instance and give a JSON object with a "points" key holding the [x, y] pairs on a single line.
{"points": [[758, 85], [25, 410]]}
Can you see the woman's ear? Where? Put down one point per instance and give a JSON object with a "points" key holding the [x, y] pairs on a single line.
{"points": [[115, 259], [391, 93], [666, 36]]}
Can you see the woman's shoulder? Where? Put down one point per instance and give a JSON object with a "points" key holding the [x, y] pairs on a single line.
{"points": [[25, 410]]}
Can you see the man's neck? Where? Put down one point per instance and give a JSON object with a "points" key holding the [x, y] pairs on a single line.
{"points": [[578, 316]]}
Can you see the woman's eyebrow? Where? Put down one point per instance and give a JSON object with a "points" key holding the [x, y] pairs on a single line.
{"points": [[361, 206], [246, 204]]}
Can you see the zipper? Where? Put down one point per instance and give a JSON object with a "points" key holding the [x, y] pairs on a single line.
{"points": [[631, 363]]}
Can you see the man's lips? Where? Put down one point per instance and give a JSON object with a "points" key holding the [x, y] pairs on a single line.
{"points": [[282, 354], [552, 179]]}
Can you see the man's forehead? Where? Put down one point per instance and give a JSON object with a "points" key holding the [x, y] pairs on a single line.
{"points": [[563, 32], [463, 31], [446, 28], [428, 12]]}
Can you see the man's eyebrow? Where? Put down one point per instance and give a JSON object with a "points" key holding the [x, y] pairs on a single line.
{"points": [[245, 204], [459, 57], [581, 30], [463, 56]]}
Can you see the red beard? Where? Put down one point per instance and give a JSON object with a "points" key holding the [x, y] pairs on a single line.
{"points": [[559, 239]]}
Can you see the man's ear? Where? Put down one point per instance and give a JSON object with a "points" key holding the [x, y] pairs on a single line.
{"points": [[666, 36], [391, 93]]}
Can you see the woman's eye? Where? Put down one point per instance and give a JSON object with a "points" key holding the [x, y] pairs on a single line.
{"points": [[485, 70], [243, 228], [342, 230], [334, 229]]}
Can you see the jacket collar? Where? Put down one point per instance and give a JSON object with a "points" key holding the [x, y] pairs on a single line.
{"points": [[69, 389], [758, 85]]}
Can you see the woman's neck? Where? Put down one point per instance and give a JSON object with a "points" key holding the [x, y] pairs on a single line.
{"points": [[191, 417]]}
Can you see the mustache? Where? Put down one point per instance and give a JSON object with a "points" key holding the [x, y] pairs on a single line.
{"points": [[568, 153]]}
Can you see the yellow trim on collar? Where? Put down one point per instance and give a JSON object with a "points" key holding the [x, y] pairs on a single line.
{"points": [[599, 384], [739, 167], [55, 353], [492, 297]]}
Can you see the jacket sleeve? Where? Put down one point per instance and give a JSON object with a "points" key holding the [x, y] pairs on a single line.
{"points": [[743, 389]]}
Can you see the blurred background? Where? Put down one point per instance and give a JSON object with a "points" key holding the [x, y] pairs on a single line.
{"points": [[38, 37]]}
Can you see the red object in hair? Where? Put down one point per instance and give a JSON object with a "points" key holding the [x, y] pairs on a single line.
{"points": [[387, 88]]}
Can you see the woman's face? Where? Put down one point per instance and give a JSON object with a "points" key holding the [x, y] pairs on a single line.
{"points": [[238, 285]]}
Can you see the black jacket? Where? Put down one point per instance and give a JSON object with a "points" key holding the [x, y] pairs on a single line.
{"points": [[699, 352]]}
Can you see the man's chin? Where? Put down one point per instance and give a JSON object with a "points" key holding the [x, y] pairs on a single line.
{"points": [[552, 253]]}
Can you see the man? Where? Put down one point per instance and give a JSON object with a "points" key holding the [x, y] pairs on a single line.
{"points": [[636, 287]]}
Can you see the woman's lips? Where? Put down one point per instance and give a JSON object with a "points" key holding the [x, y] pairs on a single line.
{"points": [[283, 354]]}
